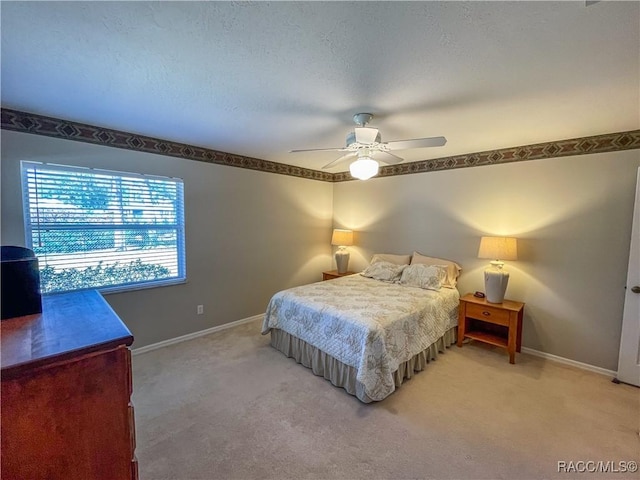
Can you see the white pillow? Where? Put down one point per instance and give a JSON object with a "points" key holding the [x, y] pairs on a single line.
{"points": [[453, 269], [391, 258], [385, 271], [429, 277]]}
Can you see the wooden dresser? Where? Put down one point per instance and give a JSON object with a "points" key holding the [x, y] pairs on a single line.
{"points": [[66, 392]]}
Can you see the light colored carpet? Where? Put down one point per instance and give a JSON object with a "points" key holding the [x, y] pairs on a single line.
{"points": [[228, 406]]}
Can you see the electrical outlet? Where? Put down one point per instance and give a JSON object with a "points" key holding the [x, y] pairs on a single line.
{"points": [[200, 309]]}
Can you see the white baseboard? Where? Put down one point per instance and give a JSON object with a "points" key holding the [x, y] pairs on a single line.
{"points": [[573, 363], [219, 328], [191, 336]]}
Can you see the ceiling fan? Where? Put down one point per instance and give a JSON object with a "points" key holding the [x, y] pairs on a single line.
{"points": [[366, 144]]}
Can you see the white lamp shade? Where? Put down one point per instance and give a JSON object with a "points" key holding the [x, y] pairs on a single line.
{"points": [[498, 248], [342, 238], [364, 168]]}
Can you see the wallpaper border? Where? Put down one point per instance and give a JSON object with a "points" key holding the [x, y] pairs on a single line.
{"points": [[611, 142], [18, 121], [54, 127]]}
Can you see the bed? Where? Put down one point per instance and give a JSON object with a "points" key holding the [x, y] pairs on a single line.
{"points": [[363, 334]]}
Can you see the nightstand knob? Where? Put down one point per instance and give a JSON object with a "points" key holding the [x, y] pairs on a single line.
{"points": [[486, 314], [635, 289]]}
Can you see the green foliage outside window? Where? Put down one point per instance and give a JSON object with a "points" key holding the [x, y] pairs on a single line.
{"points": [[62, 280]]}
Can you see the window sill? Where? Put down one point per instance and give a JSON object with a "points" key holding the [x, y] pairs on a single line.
{"points": [[130, 288], [125, 288]]}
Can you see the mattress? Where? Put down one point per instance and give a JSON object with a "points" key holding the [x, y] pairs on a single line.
{"points": [[373, 328]]}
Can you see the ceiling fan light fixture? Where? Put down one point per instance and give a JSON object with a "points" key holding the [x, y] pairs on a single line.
{"points": [[365, 141], [364, 168]]}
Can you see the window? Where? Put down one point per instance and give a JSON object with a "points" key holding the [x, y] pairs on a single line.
{"points": [[101, 229]]}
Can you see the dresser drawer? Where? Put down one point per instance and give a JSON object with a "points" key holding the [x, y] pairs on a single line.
{"points": [[488, 314]]}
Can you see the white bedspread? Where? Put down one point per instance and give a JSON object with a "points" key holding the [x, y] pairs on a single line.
{"points": [[367, 324]]}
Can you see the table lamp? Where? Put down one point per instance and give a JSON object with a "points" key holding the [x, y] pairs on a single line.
{"points": [[342, 238], [495, 277]]}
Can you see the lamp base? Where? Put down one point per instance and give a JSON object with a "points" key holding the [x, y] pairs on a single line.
{"points": [[342, 261], [495, 284]]}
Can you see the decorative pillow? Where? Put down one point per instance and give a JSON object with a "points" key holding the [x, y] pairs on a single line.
{"points": [[429, 277], [453, 269], [386, 271], [391, 258]]}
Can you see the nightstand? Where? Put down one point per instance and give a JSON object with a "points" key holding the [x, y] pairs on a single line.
{"points": [[497, 324], [331, 274]]}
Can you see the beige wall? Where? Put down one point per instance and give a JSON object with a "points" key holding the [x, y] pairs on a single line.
{"points": [[248, 234], [572, 216]]}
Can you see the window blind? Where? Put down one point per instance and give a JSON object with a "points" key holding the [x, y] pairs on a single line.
{"points": [[102, 229]]}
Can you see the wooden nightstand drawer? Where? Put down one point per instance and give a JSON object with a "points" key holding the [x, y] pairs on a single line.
{"points": [[488, 314]]}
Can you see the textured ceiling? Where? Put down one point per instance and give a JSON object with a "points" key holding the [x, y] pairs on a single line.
{"points": [[260, 79]]}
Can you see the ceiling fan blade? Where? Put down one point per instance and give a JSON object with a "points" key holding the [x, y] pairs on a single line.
{"points": [[366, 135], [339, 149], [417, 143], [340, 160], [387, 157]]}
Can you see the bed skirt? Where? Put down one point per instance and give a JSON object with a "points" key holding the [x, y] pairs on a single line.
{"points": [[342, 375]]}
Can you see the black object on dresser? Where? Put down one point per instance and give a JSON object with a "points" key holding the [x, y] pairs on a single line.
{"points": [[20, 282]]}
